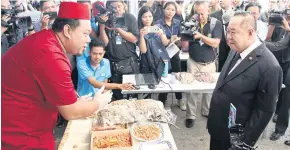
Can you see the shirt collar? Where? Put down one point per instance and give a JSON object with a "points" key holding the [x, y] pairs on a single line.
{"points": [[174, 21], [251, 48], [93, 68]]}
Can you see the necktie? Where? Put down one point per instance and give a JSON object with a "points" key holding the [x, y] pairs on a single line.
{"points": [[234, 61]]}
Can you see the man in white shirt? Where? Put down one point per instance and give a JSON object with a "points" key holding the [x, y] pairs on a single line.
{"points": [[262, 28]]}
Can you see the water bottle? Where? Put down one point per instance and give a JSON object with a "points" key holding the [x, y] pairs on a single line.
{"points": [[165, 71]]}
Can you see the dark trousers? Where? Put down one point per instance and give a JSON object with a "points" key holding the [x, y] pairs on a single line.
{"points": [[176, 67], [218, 144], [284, 106], [283, 113]]}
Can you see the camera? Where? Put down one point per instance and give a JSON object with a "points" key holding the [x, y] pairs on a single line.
{"points": [[276, 16], [113, 21], [189, 27], [15, 25], [236, 136], [52, 15]]}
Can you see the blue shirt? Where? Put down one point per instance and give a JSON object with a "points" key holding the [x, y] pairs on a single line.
{"points": [[174, 29], [85, 70]]}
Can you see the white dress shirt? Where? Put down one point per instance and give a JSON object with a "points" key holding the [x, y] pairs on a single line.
{"points": [[262, 30], [246, 52]]}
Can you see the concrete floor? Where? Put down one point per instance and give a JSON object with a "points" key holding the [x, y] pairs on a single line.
{"points": [[197, 138]]}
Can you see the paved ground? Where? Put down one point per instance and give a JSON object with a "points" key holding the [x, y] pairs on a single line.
{"points": [[197, 138]]}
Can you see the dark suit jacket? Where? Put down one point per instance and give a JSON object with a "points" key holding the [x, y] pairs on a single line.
{"points": [[282, 46], [223, 47], [253, 88]]}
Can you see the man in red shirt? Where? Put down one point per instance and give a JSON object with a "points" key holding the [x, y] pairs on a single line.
{"points": [[36, 82]]}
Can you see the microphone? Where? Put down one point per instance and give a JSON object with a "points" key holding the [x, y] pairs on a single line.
{"points": [[227, 17]]}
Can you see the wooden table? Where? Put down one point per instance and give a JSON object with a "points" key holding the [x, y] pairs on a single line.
{"points": [[77, 136]]}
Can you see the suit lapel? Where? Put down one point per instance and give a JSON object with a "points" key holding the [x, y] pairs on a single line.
{"points": [[247, 62], [223, 74]]}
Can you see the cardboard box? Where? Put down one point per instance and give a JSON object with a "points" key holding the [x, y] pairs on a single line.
{"points": [[110, 133]]}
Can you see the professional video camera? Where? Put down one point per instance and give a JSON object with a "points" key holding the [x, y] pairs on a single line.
{"points": [[276, 16], [189, 27], [236, 136], [15, 24], [113, 21]]}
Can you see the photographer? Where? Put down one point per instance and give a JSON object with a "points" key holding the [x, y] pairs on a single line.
{"points": [[46, 7], [262, 28], [5, 4], [13, 28], [282, 53], [202, 57], [171, 28], [272, 4], [150, 42], [121, 48]]}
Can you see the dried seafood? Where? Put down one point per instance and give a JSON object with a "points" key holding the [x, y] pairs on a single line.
{"points": [[147, 132], [131, 111], [204, 77], [190, 78], [113, 141]]}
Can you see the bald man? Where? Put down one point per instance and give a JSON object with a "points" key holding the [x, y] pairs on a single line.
{"points": [[250, 80]]}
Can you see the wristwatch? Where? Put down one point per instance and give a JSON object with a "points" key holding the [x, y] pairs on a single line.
{"points": [[30, 29]]}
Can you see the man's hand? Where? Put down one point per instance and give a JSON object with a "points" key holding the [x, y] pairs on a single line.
{"points": [[103, 98], [197, 35], [285, 25], [44, 22], [4, 18], [126, 86]]}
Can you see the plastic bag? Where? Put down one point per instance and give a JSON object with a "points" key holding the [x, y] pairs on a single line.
{"points": [[129, 111], [115, 115]]}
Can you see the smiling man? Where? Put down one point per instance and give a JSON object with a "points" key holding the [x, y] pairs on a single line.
{"points": [[36, 82], [94, 71]]}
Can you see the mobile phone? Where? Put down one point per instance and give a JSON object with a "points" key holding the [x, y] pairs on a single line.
{"points": [[152, 29], [51, 14]]}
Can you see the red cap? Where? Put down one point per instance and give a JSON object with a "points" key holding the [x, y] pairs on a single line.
{"points": [[73, 10]]}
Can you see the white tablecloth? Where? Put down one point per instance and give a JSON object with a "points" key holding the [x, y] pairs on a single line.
{"points": [[77, 136], [170, 85], [183, 56]]}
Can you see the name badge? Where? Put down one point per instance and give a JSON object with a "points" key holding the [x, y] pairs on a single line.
{"points": [[118, 40]]}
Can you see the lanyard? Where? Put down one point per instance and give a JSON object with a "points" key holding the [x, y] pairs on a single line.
{"points": [[170, 31]]}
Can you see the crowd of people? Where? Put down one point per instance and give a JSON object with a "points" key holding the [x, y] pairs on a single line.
{"points": [[69, 62]]}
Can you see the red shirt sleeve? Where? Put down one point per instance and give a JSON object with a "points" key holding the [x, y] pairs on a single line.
{"points": [[53, 75]]}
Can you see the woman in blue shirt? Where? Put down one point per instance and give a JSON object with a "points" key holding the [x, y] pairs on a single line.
{"points": [[150, 41], [171, 28]]}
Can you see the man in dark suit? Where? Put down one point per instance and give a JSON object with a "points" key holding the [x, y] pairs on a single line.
{"points": [[251, 80], [283, 48], [223, 47]]}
